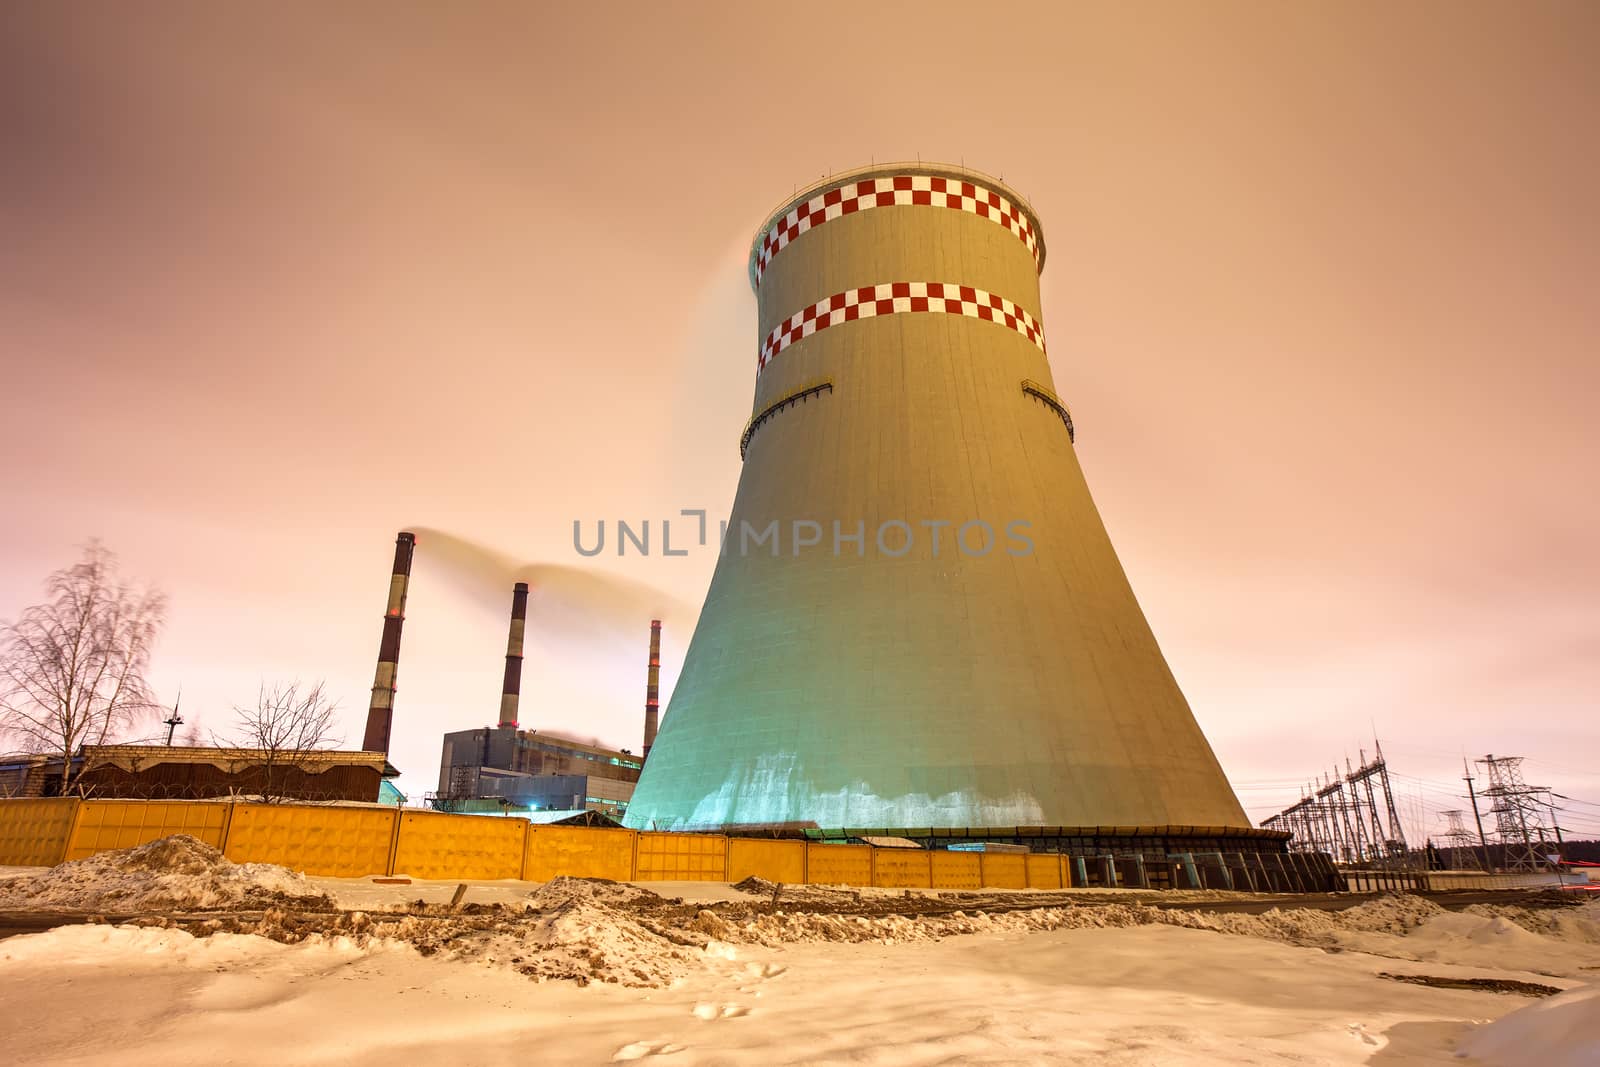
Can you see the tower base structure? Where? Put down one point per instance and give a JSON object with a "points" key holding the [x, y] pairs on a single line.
{"points": [[1115, 857]]}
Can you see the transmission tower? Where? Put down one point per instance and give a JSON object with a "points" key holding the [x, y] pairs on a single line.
{"points": [[1341, 815], [1518, 812], [1393, 843], [1330, 805], [1459, 841]]}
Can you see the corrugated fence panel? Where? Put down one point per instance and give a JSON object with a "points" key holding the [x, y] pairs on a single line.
{"points": [[901, 868], [342, 842], [682, 858], [34, 833], [578, 852], [1043, 870], [108, 824], [435, 845], [1005, 870], [957, 870], [776, 861], [838, 864]]}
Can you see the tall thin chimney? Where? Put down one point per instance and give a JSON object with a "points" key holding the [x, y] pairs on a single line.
{"points": [[380, 714], [652, 688], [510, 693]]}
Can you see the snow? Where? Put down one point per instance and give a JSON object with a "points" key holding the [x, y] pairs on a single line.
{"points": [[1563, 1031], [1143, 995], [171, 872], [585, 971]]}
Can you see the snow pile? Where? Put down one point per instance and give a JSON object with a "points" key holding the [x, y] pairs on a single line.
{"points": [[177, 872], [1398, 915], [1562, 1031], [1577, 925], [565, 892], [791, 893], [589, 943], [783, 928], [593, 930], [89, 944], [588, 929], [578, 929], [1561, 942]]}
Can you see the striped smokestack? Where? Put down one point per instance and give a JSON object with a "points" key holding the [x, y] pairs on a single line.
{"points": [[511, 692], [652, 687], [380, 714]]}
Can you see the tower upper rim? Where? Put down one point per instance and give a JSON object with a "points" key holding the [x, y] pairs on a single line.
{"points": [[885, 170]]}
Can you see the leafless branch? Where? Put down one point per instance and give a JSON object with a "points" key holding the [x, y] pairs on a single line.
{"points": [[284, 724], [72, 670]]}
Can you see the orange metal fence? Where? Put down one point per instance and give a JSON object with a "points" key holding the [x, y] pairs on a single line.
{"points": [[355, 842]]}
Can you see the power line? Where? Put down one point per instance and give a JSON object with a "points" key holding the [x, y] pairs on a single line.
{"points": [[1575, 800], [1590, 773]]}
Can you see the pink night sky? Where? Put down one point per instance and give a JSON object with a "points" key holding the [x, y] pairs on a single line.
{"points": [[278, 281]]}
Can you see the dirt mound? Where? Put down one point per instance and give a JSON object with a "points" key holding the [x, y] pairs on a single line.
{"points": [[177, 872], [564, 892], [791, 893], [1485, 985]]}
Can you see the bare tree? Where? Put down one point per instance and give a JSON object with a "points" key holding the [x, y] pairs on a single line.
{"points": [[285, 725], [72, 670]]}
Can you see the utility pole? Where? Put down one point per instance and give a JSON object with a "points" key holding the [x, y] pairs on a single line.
{"points": [[176, 720], [1488, 861]]}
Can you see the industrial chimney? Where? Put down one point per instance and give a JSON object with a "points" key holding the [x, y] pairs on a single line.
{"points": [[652, 687], [380, 714], [931, 628], [511, 692]]}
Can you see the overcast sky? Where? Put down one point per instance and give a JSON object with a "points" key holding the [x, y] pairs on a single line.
{"points": [[278, 280]]}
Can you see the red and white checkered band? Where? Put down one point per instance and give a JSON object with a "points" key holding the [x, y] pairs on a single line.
{"points": [[884, 192], [891, 298]]}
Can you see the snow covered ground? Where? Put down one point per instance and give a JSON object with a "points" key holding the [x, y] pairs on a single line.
{"points": [[742, 982]]}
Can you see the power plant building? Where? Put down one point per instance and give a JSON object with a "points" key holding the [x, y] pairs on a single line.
{"points": [[918, 623], [506, 769]]}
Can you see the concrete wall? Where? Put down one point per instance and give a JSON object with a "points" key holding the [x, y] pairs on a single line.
{"points": [[355, 842], [360, 842]]}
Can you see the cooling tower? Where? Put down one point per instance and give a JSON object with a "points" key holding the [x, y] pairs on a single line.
{"points": [[917, 620]]}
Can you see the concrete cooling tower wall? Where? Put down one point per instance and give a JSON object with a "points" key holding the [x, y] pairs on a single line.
{"points": [[918, 620]]}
